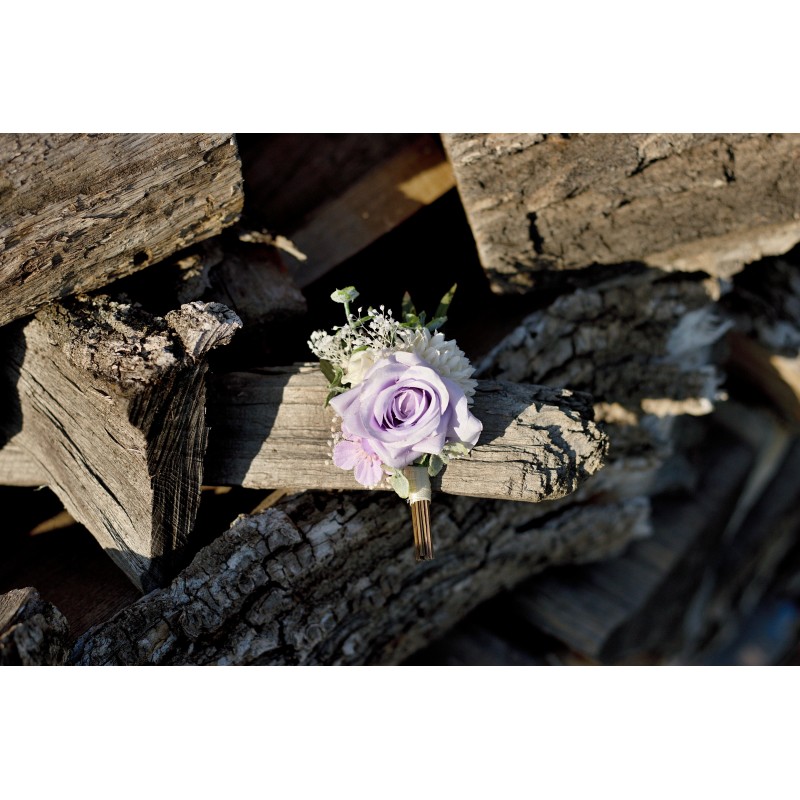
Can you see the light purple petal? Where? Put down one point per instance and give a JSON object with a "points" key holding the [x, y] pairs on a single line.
{"points": [[464, 426], [369, 472], [347, 454]]}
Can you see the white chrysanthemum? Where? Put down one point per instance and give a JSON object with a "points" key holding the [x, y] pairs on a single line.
{"points": [[445, 357]]}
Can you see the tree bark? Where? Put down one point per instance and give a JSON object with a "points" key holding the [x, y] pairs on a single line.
{"points": [[33, 632], [711, 202], [332, 580], [112, 408], [78, 211]]}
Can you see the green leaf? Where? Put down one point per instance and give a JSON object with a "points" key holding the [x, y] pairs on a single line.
{"points": [[435, 466], [346, 295], [456, 449], [444, 303], [400, 484], [327, 370], [408, 307], [436, 323]]}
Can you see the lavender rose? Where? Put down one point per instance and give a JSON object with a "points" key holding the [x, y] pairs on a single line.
{"points": [[403, 409]]}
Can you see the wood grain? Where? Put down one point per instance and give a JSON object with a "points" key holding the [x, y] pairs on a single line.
{"points": [[111, 406], [78, 211], [692, 202], [269, 428]]}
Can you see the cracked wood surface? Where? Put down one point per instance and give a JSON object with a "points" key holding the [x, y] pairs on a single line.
{"points": [[78, 211], [270, 429], [711, 202], [111, 407], [331, 579]]}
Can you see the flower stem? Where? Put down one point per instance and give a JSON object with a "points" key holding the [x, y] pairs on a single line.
{"points": [[419, 497]]}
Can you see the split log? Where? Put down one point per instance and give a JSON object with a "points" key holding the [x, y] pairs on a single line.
{"points": [[270, 428], [331, 580], [33, 632], [112, 408], [81, 210], [690, 202], [375, 183]]}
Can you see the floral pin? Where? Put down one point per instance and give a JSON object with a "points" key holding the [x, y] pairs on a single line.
{"points": [[402, 393]]}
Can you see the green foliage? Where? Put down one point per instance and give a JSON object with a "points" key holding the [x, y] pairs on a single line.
{"points": [[400, 484]]}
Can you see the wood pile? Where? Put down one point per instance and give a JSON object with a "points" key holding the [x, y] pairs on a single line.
{"points": [[633, 309]]}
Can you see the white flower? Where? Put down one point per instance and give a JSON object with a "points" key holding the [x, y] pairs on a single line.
{"points": [[358, 365], [445, 357]]}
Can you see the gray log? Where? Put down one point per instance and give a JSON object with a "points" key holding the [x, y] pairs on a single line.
{"points": [[709, 202], [112, 408], [640, 602], [78, 211], [332, 580], [270, 429], [33, 632]]}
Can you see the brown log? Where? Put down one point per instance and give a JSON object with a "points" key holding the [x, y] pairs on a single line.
{"points": [[711, 202], [78, 210], [112, 409], [33, 632]]}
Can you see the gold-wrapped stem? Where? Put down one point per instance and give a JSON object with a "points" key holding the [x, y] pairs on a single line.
{"points": [[419, 498]]}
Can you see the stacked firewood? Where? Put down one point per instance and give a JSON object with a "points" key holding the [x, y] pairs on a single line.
{"points": [[157, 293]]}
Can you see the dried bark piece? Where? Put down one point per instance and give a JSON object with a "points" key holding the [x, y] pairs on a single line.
{"points": [[711, 202], [33, 632], [112, 408], [80, 210], [332, 580]]}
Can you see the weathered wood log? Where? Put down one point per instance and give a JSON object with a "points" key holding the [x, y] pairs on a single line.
{"points": [[645, 602], [269, 428], [79, 210], [33, 632], [373, 183], [112, 408], [692, 202], [765, 346], [17, 466], [331, 580], [641, 345]]}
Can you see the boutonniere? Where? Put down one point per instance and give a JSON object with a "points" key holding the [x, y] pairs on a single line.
{"points": [[401, 393]]}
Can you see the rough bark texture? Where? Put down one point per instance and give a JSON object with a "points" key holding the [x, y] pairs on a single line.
{"points": [[112, 407], [79, 210], [641, 345], [331, 580], [765, 346], [709, 202], [33, 632], [269, 428]]}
